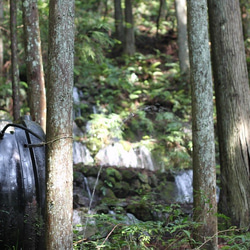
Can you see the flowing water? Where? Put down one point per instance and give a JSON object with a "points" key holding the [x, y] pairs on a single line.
{"points": [[184, 185], [87, 187], [145, 159], [81, 154], [115, 155]]}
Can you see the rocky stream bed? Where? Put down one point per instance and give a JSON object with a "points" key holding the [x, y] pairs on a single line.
{"points": [[129, 191]]}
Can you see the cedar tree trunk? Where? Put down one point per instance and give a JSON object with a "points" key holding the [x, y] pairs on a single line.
{"points": [[59, 200], [204, 174], [35, 76], [233, 108]]}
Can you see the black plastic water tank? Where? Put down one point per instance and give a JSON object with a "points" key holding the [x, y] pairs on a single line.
{"points": [[22, 186]]}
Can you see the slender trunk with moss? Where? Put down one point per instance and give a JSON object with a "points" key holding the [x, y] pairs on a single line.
{"points": [[1, 39], [14, 60], [119, 28], [34, 64], [204, 174], [181, 14], [59, 159], [129, 46], [161, 14]]}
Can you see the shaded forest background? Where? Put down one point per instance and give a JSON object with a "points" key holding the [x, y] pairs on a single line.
{"points": [[138, 99], [141, 99]]}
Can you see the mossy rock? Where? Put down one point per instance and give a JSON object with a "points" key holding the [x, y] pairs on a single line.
{"points": [[114, 173], [110, 201], [140, 211], [167, 191], [99, 187], [81, 168], [110, 181], [86, 170], [108, 193], [93, 171], [119, 210], [165, 177], [135, 187], [121, 189], [153, 181], [78, 177], [145, 188], [102, 209], [128, 174], [143, 177]]}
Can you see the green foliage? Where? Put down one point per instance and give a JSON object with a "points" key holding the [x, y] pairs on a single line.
{"points": [[172, 230], [234, 238], [119, 231], [92, 35], [126, 91], [102, 129]]}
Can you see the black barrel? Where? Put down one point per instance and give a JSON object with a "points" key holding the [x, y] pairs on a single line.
{"points": [[22, 187]]}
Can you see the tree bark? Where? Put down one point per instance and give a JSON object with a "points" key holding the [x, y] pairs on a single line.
{"points": [[182, 41], [245, 14], [233, 108], [59, 205], [119, 28], [129, 48], [1, 39], [204, 174], [161, 15], [14, 60], [35, 75]]}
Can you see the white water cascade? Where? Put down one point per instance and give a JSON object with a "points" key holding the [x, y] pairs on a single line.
{"points": [[184, 185], [115, 155], [145, 160], [87, 187], [81, 154], [77, 101]]}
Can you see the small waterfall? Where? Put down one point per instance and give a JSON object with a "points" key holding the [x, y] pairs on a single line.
{"points": [[145, 159], [116, 155], [81, 154], [86, 183], [76, 100], [184, 184]]}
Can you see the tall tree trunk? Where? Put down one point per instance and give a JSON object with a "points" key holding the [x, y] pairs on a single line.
{"points": [[35, 76], [204, 177], [129, 48], [1, 39], [233, 108], [119, 28], [181, 14], [14, 60], [59, 205], [161, 14], [245, 13]]}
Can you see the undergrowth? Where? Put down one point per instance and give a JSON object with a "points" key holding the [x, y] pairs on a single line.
{"points": [[173, 230]]}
